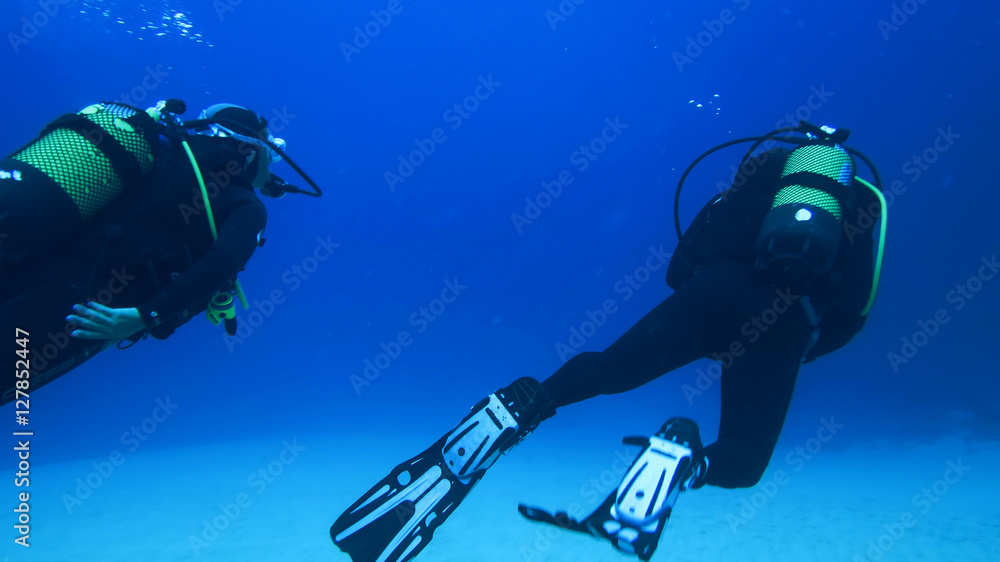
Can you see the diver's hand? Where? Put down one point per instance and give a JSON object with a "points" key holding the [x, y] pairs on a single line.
{"points": [[95, 321]]}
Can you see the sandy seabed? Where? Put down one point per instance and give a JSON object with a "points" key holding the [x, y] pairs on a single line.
{"points": [[274, 500]]}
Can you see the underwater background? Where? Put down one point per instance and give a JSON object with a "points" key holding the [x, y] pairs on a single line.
{"points": [[427, 201]]}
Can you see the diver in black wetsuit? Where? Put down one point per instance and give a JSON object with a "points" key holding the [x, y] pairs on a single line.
{"points": [[149, 258], [760, 324], [772, 273]]}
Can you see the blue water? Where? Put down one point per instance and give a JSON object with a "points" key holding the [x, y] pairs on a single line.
{"points": [[547, 84]]}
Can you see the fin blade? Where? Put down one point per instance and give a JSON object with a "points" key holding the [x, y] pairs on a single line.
{"points": [[393, 522]]}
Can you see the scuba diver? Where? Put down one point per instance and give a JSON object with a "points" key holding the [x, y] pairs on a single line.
{"points": [[773, 272], [120, 223]]}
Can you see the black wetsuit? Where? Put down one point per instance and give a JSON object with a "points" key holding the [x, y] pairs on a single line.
{"points": [[152, 250], [718, 295]]}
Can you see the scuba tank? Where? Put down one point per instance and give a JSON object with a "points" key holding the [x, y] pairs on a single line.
{"points": [[799, 237], [78, 165]]}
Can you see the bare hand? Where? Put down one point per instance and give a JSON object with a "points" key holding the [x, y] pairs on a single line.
{"points": [[95, 321]]}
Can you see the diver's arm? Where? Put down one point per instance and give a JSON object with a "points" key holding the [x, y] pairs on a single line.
{"points": [[238, 235]]}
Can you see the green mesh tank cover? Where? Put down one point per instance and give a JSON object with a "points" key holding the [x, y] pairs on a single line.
{"points": [[800, 194], [830, 161], [79, 167]]}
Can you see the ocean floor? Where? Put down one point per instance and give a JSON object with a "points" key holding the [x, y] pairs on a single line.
{"points": [[274, 499]]}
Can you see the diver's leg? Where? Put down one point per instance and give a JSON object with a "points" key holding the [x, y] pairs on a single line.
{"points": [[681, 329], [757, 390], [755, 400]]}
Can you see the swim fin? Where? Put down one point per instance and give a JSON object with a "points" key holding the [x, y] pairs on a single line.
{"points": [[633, 516], [397, 517]]}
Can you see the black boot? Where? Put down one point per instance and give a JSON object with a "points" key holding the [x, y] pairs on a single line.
{"points": [[684, 431], [497, 424]]}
